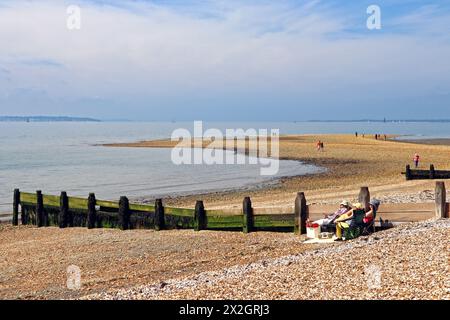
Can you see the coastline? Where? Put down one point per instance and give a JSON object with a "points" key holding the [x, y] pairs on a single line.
{"points": [[350, 162], [217, 264]]}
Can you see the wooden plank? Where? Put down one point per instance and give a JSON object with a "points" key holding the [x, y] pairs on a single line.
{"points": [[274, 220], [141, 207], [52, 201], [224, 212], [215, 222], [78, 203], [400, 212], [405, 216], [107, 204], [406, 207], [274, 210], [388, 207], [26, 197], [181, 212], [322, 209]]}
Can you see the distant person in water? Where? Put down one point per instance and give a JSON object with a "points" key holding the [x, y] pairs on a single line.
{"points": [[356, 134], [416, 160]]}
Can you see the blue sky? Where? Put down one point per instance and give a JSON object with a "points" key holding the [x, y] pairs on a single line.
{"points": [[225, 60]]}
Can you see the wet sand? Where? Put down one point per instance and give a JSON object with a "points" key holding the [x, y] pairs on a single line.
{"points": [[351, 162]]}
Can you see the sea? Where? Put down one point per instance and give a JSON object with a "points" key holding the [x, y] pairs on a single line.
{"points": [[69, 156]]}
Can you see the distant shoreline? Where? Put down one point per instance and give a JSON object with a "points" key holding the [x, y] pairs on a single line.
{"points": [[46, 119]]}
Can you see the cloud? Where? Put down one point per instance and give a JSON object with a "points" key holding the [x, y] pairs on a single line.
{"points": [[41, 63], [196, 58]]}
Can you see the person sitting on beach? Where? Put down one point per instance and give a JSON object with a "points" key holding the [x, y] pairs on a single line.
{"points": [[344, 207], [342, 222], [370, 215]]}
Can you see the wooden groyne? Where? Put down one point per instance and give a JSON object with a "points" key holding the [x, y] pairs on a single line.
{"points": [[432, 173], [65, 211]]}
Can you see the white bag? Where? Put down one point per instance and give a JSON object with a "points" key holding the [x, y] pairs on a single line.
{"points": [[312, 233]]}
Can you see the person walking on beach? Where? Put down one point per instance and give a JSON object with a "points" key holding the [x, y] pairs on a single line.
{"points": [[416, 160], [318, 145]]}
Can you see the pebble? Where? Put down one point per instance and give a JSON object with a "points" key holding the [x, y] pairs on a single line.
{"points": [[406, 262]]}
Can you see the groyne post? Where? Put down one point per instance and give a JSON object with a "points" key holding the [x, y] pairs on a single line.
{"points": [[301, 214], [124, 213], [40, 220], [63, 210], [432, 172], [441, 200], [92, 213], [364, 197], [200, 216], [16, 202], [408, 172], [159, 215], [247, 210]]}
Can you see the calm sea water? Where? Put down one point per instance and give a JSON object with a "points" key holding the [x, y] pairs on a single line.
{"points": [[62, 156]]}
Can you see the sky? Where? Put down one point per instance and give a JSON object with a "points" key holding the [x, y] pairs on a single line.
{"points": [[227, 60]]}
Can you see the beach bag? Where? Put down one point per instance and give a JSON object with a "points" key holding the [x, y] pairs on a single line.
{"points": [[312, 230]]}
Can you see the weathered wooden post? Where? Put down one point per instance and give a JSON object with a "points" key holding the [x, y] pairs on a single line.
{"points": [[408, 172], [124, 213], [200, 216], [24, 214], [159, 215], [16, 202], [63, 210], [247, 145], [432, 172], [92, 213], [39, 209], [441, 200], [364, 197], [301, 214], [248, 215]]}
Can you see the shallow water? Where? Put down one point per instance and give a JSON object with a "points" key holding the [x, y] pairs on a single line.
{"points": [[63, 156]]}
